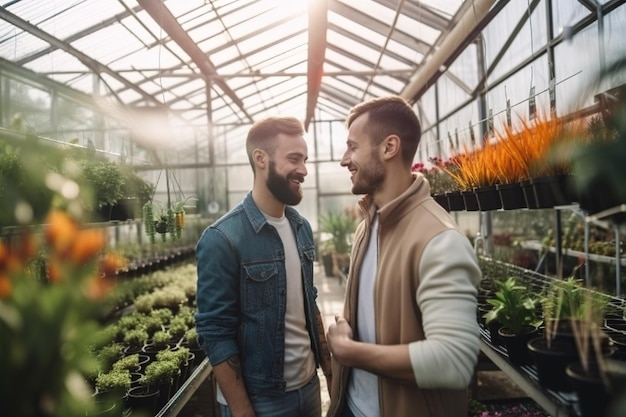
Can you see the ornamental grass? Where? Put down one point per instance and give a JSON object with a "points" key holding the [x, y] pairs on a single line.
{"points": [[518, 155]]}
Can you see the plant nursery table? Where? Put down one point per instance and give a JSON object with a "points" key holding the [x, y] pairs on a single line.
{"points": [[186, 391], [556, 404]]}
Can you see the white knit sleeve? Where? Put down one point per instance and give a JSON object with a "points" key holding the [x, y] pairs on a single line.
{"points": [[449, 276]]}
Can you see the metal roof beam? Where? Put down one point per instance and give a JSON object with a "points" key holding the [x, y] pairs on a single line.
{"points": [[95, 66], [420, 12], [162, 16], [464, 31], [318, 25]]}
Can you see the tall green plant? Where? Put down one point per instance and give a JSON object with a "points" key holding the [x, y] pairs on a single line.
{"points": [[341, 226]]}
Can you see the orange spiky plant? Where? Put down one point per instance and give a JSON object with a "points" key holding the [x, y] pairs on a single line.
{"points": [[529, 147], [478, 168]]}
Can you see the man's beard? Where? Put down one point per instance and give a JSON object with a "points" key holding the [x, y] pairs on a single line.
{"points": [[369, 180], [281, 187]]}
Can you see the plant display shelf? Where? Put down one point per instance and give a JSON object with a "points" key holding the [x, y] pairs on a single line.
{"points": [[538, 246], [555, 403], [180, 398]]}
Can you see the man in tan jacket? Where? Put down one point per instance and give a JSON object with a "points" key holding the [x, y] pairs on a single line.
{"points": [[408, 340]]}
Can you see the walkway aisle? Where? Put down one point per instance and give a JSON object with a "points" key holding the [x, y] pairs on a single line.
{"points": [[330, 301]]}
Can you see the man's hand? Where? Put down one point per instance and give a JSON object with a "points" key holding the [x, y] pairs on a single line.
{"points": [[340, 338]]}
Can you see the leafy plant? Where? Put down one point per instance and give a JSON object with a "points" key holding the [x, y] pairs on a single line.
{"points": [[49, 318], [128, 363], [514, 306], [136, 337], [115, 380], [161, 338], [567, 299], [159, 371], [341, 227], [105, 180], [191, 336]]}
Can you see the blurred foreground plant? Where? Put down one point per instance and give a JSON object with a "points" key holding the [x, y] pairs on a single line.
{"points": [[51, 283]]}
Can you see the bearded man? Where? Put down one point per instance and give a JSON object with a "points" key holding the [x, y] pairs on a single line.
{"points": [[257, 319]]}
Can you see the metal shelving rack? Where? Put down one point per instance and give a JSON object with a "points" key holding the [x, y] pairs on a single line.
{"points": [[555, 403]]}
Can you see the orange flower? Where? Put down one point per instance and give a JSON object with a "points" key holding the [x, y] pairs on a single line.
{"points": [[60, 232], [98, 287], [24, 248], [4, 257], [5, 286], [86, 245], [53, 269], [111, 263]]}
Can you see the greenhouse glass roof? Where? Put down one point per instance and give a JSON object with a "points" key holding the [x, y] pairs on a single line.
{"points": [[246, 58]]}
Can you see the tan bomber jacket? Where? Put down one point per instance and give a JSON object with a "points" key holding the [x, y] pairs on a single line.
{"points": [[407, 225]]}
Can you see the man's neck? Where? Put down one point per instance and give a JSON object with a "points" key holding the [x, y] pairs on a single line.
{"points": [[267, 203]]}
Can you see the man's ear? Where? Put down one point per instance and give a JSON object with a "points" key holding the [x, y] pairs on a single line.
{"points": [[260, 158], [391, 147]]}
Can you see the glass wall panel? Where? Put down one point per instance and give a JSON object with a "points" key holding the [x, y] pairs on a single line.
{"points": [[567, 13], [333, 178], [531, 38], [575, 76], [428, 108]]}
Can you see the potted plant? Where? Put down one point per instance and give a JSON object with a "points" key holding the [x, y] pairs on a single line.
{"points": [[128, 363], [159, 376], [340, 226], [135, 339], [104, 182], [135, 193], [567, 308], [514, 307], [589, 375], [114, 383]]}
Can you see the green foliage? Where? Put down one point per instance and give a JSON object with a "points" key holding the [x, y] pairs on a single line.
{"points": [[159, 371], [567, 299], [25, 196], [341, 226], [113, 381], [161, 338], [127, 363], [134, 186], [514, 306], [191, 336], [136, 337], [106, 182]]}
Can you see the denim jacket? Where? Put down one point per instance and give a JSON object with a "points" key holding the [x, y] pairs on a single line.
{"points": [[241, 293]]}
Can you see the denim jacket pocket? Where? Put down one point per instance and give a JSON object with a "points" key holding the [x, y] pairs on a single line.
{"points": [[260, 285]]}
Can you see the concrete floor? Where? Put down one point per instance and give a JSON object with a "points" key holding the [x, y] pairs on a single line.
{"points": [[491, 384]]}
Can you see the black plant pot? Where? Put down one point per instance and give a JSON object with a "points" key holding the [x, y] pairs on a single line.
{"points": [[517, 344], [442, 199], [455, 201], [551, 191], [551, 362], [471, 202], [511, 196], [593, 396], [143, 399], [529, 194], [488, 198]]}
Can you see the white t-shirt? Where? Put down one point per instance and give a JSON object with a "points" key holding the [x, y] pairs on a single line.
{"points": [[363, 385]]}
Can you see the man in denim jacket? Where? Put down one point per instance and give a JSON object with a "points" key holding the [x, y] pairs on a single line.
{"points": [[257, 318]]}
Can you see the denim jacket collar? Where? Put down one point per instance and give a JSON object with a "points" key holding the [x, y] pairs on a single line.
{"points": [[258, 220]]}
